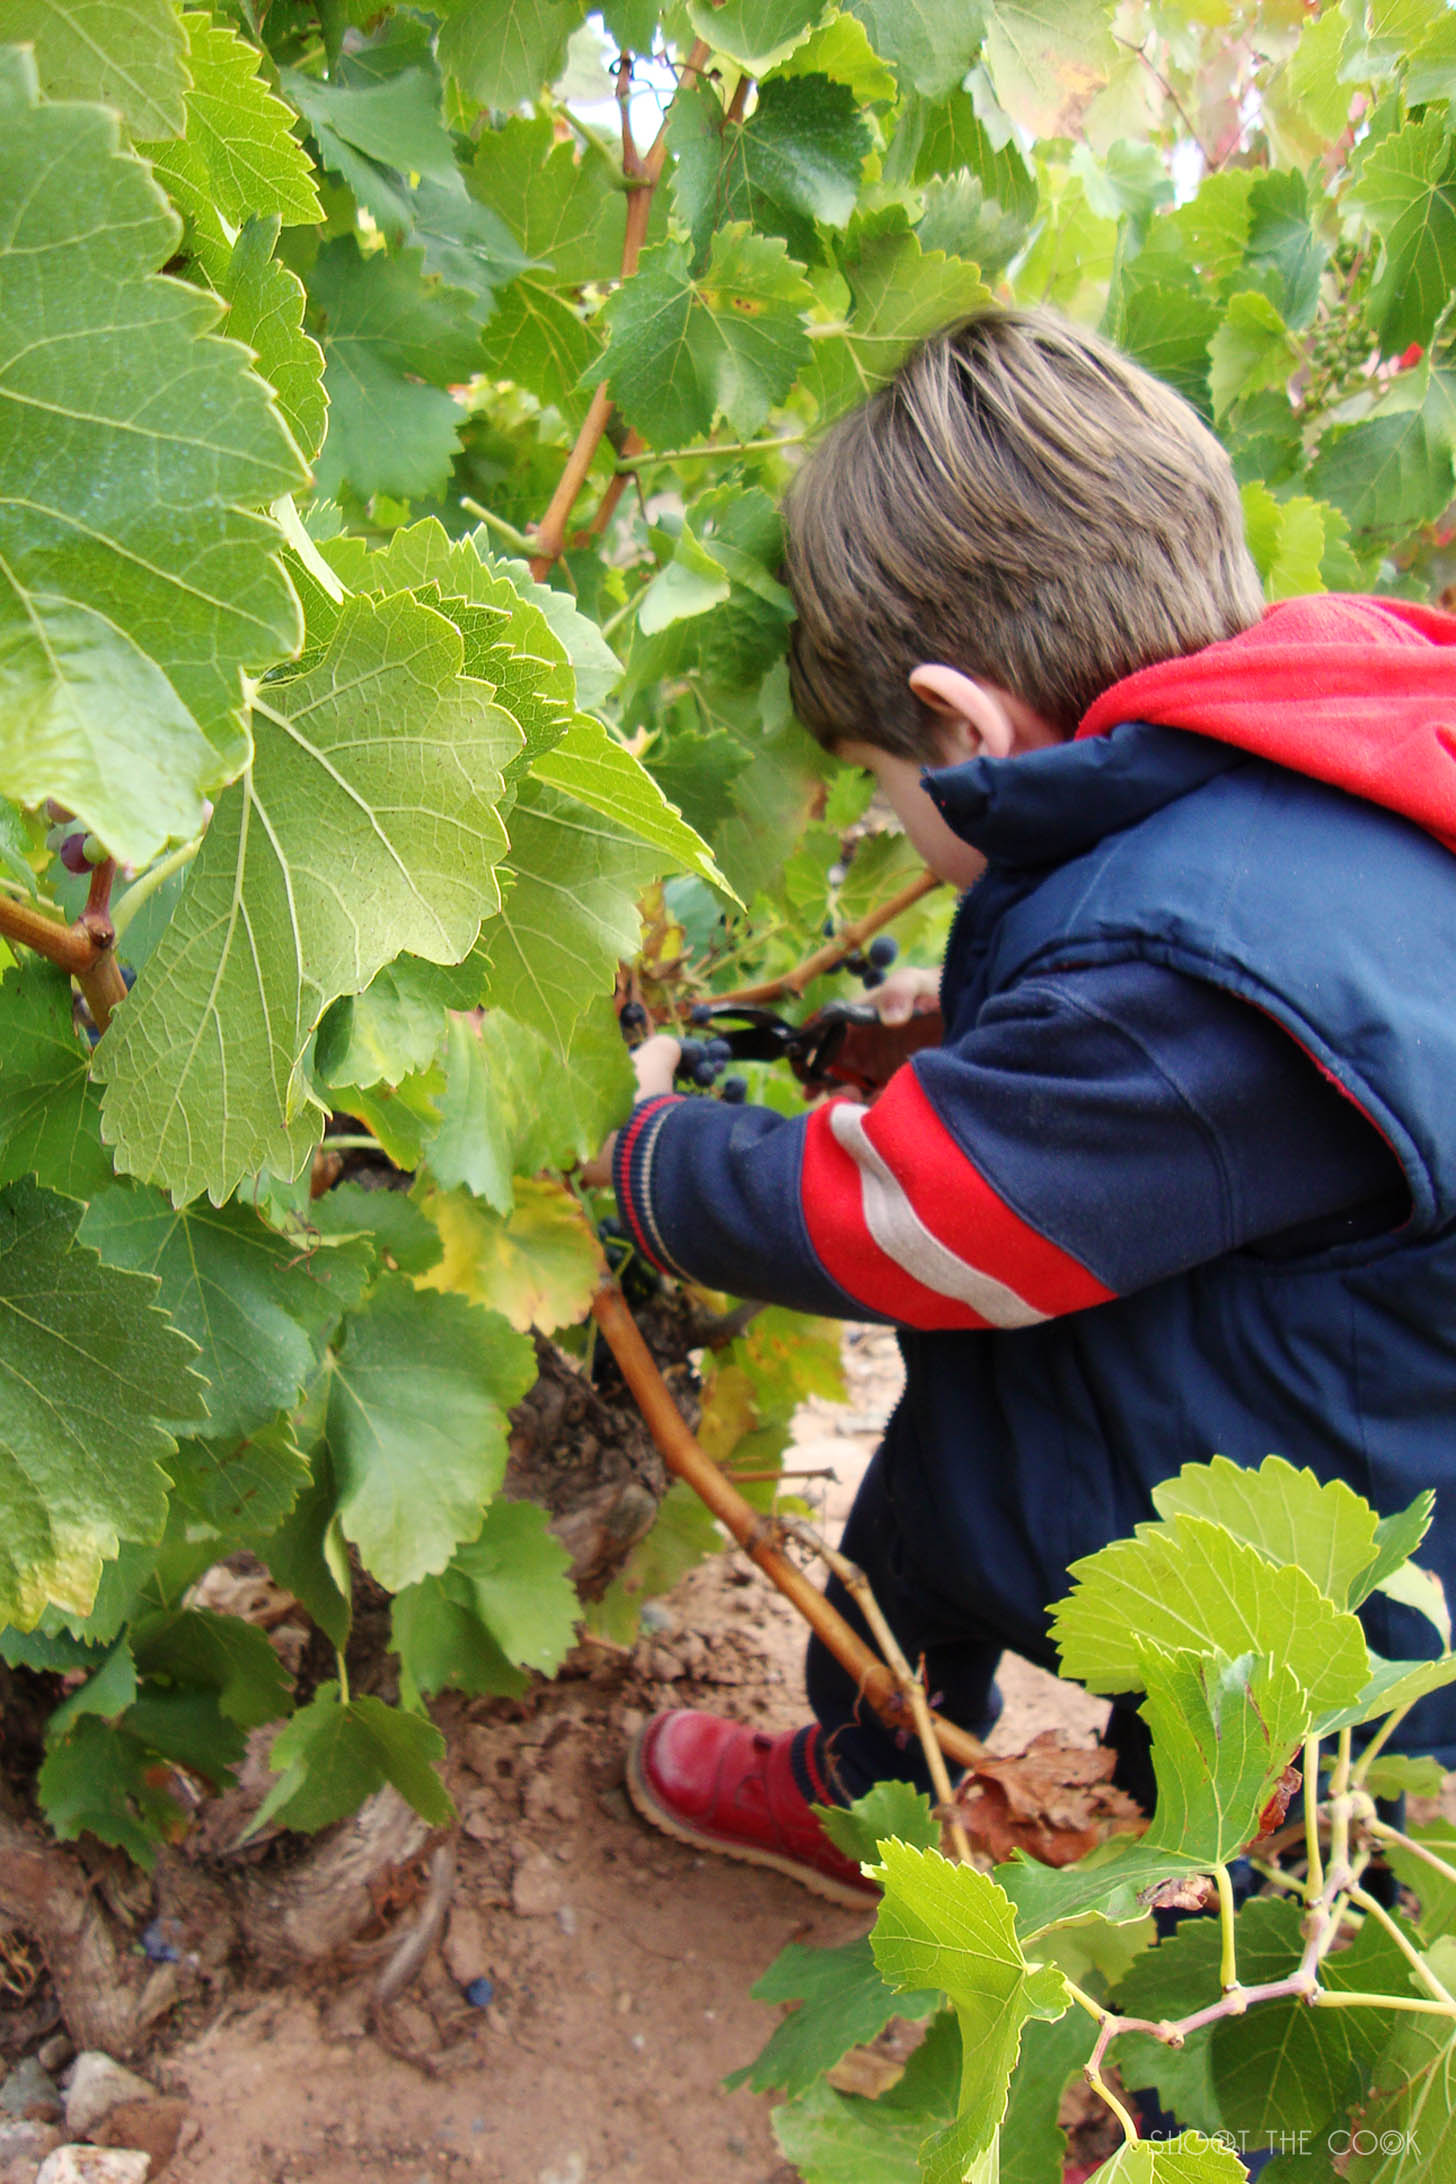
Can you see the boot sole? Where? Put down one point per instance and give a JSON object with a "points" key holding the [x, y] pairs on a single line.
{"points": [[657, 1816]]}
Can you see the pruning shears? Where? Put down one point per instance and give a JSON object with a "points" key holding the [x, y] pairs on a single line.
{"points": [[843, 1046]]}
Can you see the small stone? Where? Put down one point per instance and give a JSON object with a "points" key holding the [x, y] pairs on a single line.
{"points": [[94, 2165], [96, 2086], [154, 2126], [22, 2141], [692, 1652], [624, 2003], [478, 1820], [638, 2041], [465, 1950], [29, 2093], [566, 1918], [55, 2053], [570, 2170], [535, 1887], [631, 1719], [658, 1617], [665, 1666]]}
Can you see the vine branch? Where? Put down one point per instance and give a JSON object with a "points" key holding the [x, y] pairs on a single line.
{"points": [[756, 1534], [844, 943], [642, 175]]}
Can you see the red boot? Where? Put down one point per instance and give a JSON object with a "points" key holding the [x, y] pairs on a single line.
{"points": [[722, 1787]]}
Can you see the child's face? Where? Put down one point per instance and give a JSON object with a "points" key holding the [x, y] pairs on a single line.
{"points": [[948, 857]]}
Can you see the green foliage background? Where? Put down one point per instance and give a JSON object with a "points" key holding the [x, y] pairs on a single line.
{"points": [[303, 306]]}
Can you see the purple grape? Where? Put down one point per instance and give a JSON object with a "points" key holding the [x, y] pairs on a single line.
{"points": [[633, 1016], [883, 950], [72, 853], [480, 1993], [700, 1013], [734, 1090]]}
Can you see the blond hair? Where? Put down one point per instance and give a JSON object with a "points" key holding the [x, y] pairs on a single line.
{"points": [[1023, 503]]}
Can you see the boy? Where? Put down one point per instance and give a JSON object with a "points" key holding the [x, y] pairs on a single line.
{"points": [[1182, 1177]]}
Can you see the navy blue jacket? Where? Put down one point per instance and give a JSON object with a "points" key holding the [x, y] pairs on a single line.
{"points": [[1120, 1214]]}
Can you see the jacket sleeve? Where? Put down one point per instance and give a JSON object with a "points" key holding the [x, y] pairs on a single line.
{"points": [[1093, 1132]]}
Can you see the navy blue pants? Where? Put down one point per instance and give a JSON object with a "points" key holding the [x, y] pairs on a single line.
{"points": [[912, 1573]]}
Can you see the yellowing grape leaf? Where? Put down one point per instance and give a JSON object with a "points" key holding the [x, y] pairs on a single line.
{"points": [[537, 1266]]}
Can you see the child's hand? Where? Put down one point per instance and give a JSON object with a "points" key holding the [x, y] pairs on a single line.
{"points": [[907, 992], [654, 1061]]}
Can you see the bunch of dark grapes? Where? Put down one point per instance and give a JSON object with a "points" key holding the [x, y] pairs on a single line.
{"points": [[703, 1061], [870, 967]]}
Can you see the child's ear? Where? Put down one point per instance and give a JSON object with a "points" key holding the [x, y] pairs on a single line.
{"points": [[973, 722]]}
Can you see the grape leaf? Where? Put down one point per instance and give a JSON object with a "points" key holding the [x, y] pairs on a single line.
{"points": [[510, 1585], [392, 1224], [1406, 188], [1046, 57], [844, 2003], [395, 120], [593, 767], [417, 1425], [378, 762], [98, 1781], [1190, 1584], [1223, 1732], [837, 2138], [567, 212], [755, 33], [49, 1110], [949, 1927], [265, 303], [244, 1487], [1398, 1537], [393, 343], [898, 294], [1289, 539], [1393, 1684], [684, 349], [511, 1106], [502, 52], [1387, 473], [890, 1809], [238, 157], [527, 640], [333, 1754], [796, 160], [123, 53], [570, 913], [930, 42], [1408, 2136], [841, 50], [88, 1371], [136, 586], [220, 1653], [537, 1266], [1323, 1527], [1434, 1891], [260, 1312], [107, 1692], [1251, 349]]}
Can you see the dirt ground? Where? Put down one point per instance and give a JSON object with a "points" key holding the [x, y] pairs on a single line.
{"points": [[620, 1962]]}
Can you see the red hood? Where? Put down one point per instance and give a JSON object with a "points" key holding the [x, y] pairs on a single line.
{"points": [[1357, 692]]}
